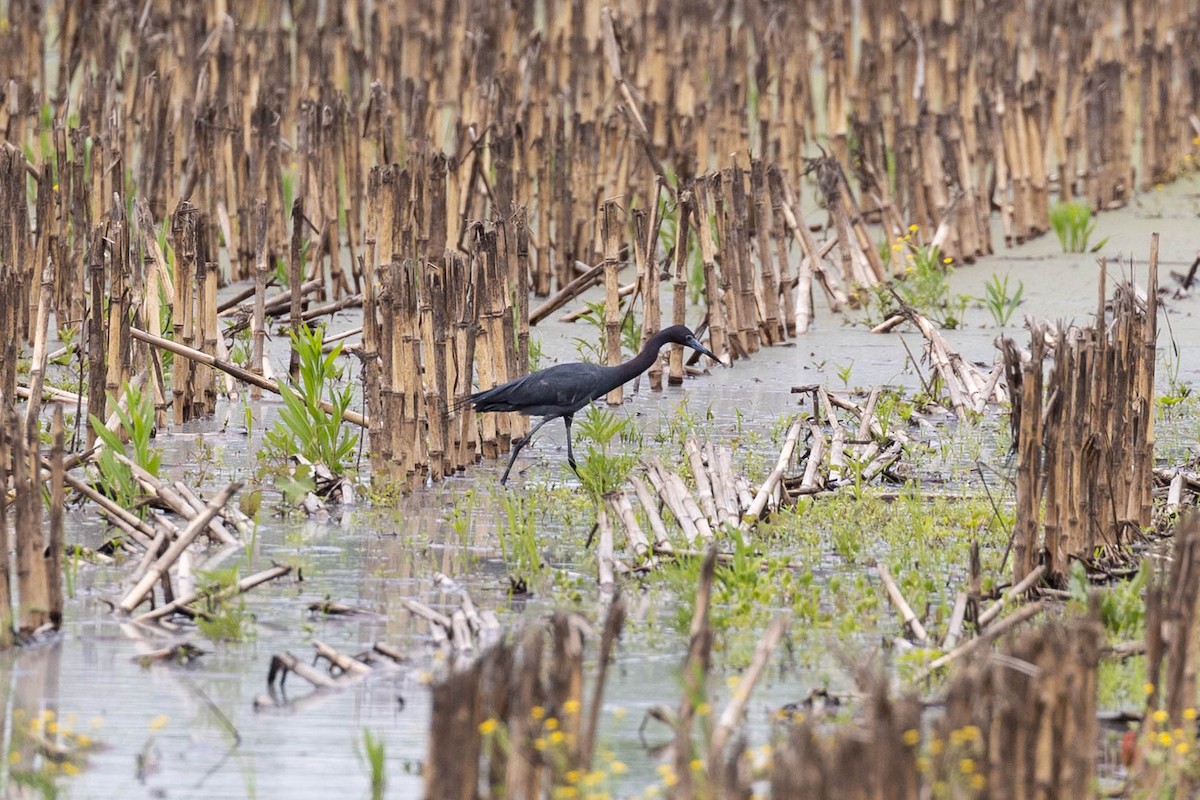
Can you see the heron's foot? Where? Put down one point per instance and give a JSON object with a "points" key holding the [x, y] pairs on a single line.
{"points": [[574, 468]]}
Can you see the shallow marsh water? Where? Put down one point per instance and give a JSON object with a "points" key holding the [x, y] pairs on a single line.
{"points": [[158, 731]]}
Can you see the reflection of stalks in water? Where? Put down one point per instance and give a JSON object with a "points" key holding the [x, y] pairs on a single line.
{"points": [[223, 721]]}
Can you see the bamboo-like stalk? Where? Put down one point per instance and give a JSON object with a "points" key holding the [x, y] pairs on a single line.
{"points": [[262, 269], [6, 451], [679, 282], [897, 597], [32, 586], [611, 233], [58, 501], [137, 595], [759, 504], [180, 604]]}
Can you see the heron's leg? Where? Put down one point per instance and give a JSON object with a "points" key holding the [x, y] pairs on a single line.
{"points": [[518, 444], [567, 420]]}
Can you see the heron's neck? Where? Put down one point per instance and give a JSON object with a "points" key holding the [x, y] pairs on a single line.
{"points": [[643, 360]]}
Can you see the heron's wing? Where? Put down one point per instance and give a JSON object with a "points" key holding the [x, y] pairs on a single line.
{"points": [[561, 389], [566, 386]]}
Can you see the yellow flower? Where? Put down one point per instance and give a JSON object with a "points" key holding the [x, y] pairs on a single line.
{"points": [[936, 746], [732, 681], [912, 737], [618, 768], [696, 765], [923, 764], [1160, 716], [14, 757], [48, 714], [487, 727], [69, 769], [1189, 714], [565, 792], [797, 717], [947, 260], [593, 778], [972, 733], [537, 712], [897, 247], [703, 709], [83, 740], [571, 707], [573, 776], [1164, 739], [967, 765], [551, 724], [1158, 187], [159, 722], [914, 228], [556, 737], [539, 743], [977, 782], [1182, 748]]}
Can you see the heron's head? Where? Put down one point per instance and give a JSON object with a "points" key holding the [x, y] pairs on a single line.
{"points": [[682, 334]]}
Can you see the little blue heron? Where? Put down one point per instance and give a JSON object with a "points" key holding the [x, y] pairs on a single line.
{"points": [[561, 390]]}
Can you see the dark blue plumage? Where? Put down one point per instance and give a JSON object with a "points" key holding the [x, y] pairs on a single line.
{"points": [[564, 389]]}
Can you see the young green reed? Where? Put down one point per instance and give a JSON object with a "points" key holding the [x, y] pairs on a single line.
{"points": [[136, 423], [304, 427]]}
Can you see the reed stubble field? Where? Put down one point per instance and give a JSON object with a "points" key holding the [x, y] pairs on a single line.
{"points": [[373, 209]]}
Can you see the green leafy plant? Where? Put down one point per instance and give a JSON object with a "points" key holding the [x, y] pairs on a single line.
{"points": [[304, 428], [925, 284], [136, 422], [1074, 226], [223, 616], [1178, 391], [1000, 301], [373, 756], [518, 539], [600, 470]]}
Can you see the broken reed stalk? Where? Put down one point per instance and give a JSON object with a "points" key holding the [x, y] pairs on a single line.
{"points": [[262, 270], [611, 232], [32, 579], [989, 635], [731, 716], [6, 473], [897, 597], [764, 492], [182, 604], [137, 595], [696, 667]]}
